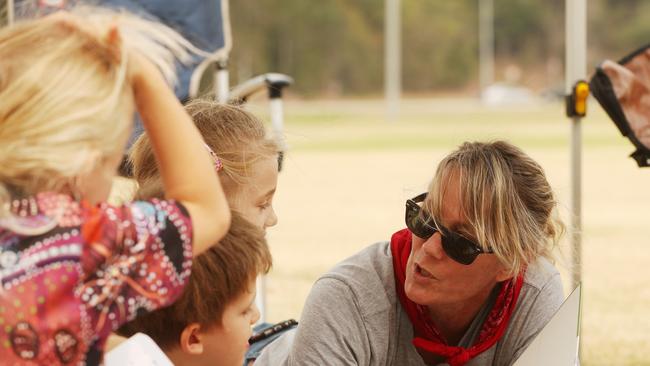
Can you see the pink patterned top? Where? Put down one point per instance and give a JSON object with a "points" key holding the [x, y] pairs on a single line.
{"points": [[64, 291]]}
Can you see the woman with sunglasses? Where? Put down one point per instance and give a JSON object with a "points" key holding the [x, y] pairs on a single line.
{"points": [[469, 281]]}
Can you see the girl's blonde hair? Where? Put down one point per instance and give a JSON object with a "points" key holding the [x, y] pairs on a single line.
{"points": [[505, 198], [236, 136], [65, 100]]}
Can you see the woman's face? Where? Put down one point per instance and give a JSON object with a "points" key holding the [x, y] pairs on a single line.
{"points": [[254, 200], [433, 279]]}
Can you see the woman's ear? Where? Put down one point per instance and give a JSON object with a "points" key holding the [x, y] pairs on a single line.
{"points": [[503, 274], [191, 341]]}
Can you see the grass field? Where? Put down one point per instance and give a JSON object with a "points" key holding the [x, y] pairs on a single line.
{"points": [[348, 172]]}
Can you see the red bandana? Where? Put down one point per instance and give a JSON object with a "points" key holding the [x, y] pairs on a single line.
{"points": [[427, 338]]}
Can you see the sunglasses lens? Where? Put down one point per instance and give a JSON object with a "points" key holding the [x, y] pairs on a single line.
{"points": [[422, 225], [419, 225], [460, 249]]}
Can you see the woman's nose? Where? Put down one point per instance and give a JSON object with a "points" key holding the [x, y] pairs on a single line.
{"points": [[433, 246]]}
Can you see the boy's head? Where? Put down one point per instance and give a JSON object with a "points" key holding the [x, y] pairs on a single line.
{"points": [[211, 322]]}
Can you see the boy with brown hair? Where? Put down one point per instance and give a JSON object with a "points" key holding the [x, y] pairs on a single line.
{"points": [[210, 323]]}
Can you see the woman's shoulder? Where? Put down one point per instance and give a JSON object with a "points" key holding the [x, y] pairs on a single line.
{"points": [[366, 275], [373, 264], [353, 309], [542, 292], [542, 275]]}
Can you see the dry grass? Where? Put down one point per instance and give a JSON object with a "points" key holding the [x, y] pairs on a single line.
{"points": [[348, 173]]}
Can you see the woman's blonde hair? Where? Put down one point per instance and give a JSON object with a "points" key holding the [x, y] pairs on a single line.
{"points": [[65, 100], [236, 136], [505, 198]]}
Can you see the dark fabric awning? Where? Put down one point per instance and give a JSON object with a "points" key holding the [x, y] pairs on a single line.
{"points": [[623, 89]]}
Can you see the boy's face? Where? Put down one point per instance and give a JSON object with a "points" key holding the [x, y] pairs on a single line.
{"points": [[226, 344]]}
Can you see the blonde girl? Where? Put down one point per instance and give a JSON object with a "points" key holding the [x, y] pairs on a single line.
{"points": [[244, 157], [72, 267]]}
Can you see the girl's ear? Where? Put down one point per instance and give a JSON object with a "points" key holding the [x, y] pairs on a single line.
{"points": [[191, 341]]}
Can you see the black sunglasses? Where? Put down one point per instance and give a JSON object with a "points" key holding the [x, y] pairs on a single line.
{"points": [[422, 225]]}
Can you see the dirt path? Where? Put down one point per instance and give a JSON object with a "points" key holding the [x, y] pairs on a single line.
{"points": [[333, 202]]}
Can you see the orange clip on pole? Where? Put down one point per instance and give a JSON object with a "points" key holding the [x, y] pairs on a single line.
{"points": [[581, 92]]}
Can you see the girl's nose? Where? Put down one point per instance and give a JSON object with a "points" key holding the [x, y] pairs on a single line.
{"points": [[272, 219]]}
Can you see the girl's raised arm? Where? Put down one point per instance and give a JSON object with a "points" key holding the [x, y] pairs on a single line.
{"points": [[185, 165]]}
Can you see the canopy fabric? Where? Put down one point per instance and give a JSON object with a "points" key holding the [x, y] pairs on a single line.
{"points": [[202, 22], [623, 89]]}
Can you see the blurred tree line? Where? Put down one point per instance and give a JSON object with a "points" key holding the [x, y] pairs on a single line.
{"points": [[335, 47]]}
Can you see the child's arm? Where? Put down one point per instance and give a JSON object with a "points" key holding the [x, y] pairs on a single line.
{"points": [[185, 166]]}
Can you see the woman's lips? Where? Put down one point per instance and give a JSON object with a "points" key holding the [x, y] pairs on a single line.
{"points": [[423, 273]]}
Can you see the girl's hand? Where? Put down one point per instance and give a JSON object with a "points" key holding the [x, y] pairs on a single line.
{"points": [[110, 43]]}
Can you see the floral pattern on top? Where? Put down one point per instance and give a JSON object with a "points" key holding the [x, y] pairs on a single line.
{"points": [[62, 292]]}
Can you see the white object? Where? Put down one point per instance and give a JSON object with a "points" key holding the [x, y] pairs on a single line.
{"points": [[576, 69], [557, 343], [139, 350], [486, 43], [500, 94], [10, 12], [393, 58]]}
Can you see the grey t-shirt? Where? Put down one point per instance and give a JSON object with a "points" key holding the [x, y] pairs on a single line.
{"points": [[353, 317]]}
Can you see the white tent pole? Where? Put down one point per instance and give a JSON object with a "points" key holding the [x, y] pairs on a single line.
{"points": [[392, 58], [576, 69], [10, 12], [486, 43]]}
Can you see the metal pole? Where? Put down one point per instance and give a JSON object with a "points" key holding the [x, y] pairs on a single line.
{"points": [[576, 69], [10, 12], [486, 43], [221, 82], [277, 121], [392, 58], [576, 200]]}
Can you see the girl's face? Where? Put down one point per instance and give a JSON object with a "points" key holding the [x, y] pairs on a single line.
{"points": [[95, 186], [254, 200]]}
